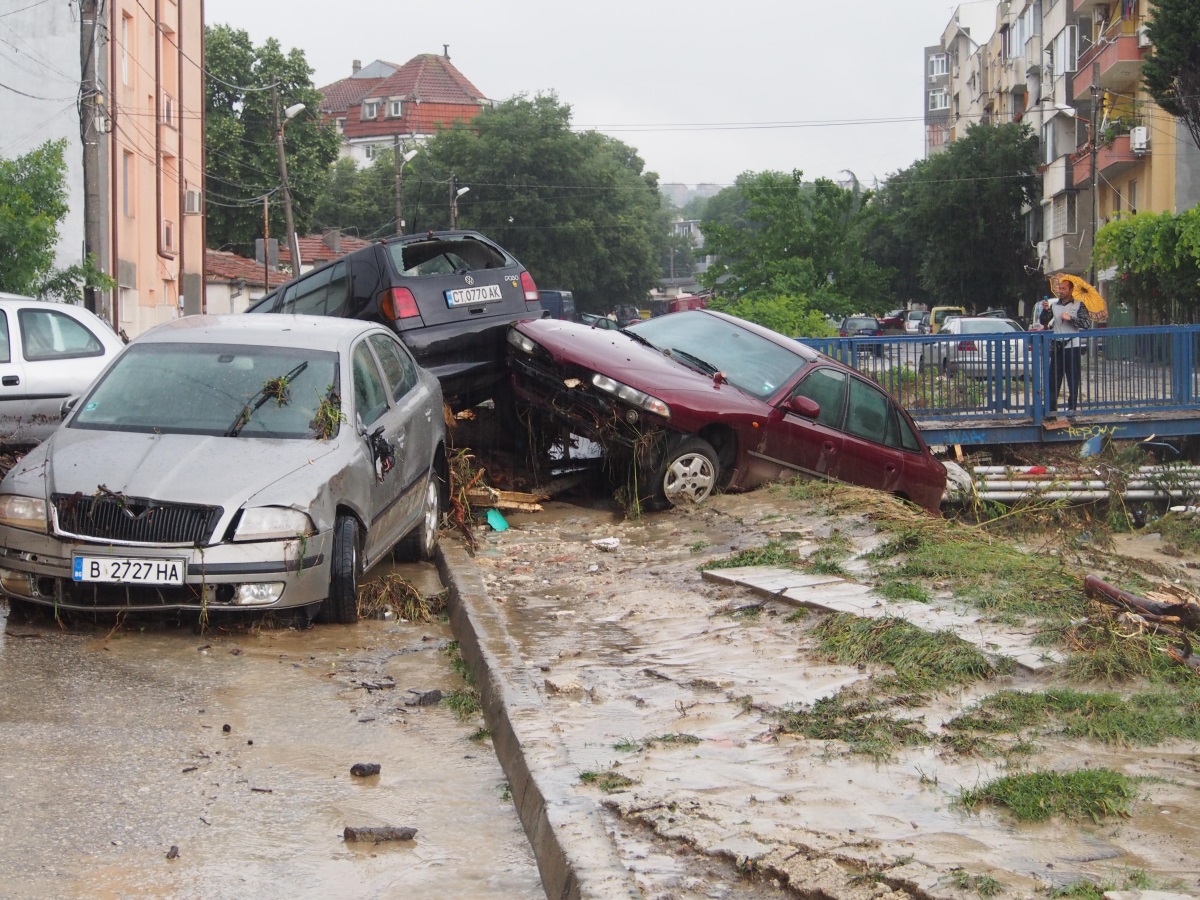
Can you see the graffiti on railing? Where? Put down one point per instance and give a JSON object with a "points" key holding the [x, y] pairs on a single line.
{"points": [[1090, 431]]}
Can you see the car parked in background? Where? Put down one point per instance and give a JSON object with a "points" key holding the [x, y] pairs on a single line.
{"points": [[49, 352], [700, 401], [449, 295], [231, 463], [862, 326], [912, 321], [596, 321], [939, 314], [893, 322], [977, 346], [558, 305]]}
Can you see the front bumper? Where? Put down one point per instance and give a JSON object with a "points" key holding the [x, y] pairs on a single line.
{"points": [[37, 568]]}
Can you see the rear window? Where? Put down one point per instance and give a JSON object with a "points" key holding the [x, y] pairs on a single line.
{"points": [[446, 256], [862, 322]]}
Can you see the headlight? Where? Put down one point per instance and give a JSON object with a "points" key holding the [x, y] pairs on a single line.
{"points": [[23, 512], [630, 395], [268, 523], [522, 343]]}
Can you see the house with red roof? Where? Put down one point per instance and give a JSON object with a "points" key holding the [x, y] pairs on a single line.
{"points": [[383, 103]]}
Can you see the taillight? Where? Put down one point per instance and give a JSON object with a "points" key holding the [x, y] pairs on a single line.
{"points": [[967, 345], [399, 303], [530, 289]]}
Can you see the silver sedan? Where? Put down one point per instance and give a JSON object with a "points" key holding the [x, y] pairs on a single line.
{"points": [[231, 462], [978, 347]]}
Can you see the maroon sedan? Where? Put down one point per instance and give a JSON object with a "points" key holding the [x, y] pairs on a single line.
{"points": [[700, 401]]}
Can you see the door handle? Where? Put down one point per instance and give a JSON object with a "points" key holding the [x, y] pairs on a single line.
{"points": [[10, 380], [829, 447]]}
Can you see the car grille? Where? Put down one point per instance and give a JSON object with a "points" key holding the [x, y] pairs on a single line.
{"points": [[133, 596], [113, 517]]}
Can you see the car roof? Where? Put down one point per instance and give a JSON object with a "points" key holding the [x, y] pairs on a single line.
{"points": [[312, 332], [32, 301]]}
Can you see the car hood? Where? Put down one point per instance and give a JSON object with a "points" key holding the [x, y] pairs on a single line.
{"points": [[620, 356], [177, 468]]}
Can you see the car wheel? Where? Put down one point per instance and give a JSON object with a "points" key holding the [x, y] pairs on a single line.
{"points": [[688, 474], [341, 606], [421, 543]]}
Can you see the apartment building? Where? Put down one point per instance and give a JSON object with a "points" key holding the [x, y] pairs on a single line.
{"points": [[134, 122], [1071, 69]]}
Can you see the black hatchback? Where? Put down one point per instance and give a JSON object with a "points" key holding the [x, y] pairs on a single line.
{"points": [[449, 295]]}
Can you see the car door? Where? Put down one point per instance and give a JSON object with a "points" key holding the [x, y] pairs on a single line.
{"points": [[61, 357], [13, 405], [870, 456], [793, 442]]}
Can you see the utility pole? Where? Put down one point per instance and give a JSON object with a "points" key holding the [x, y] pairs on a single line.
{"points": [[1095, 149], [89, 113], [453, 203], [266, 245], [401, 161], [293, 253]]}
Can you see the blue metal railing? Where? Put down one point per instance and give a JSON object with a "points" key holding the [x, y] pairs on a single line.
{"points": [[1003, 378]]}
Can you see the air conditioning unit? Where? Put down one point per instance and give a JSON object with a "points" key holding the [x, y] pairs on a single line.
{"points": [[1043, 249], [1143, 37], [1139, 139], [192, 204]]}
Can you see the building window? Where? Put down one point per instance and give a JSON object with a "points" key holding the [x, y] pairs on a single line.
{"points": [[939, 64], [126, 30], [395, 107], [939, 100], [168, 110], [127, 183], [168, 234], [370, 109], [1132, 197], [340, 122]]}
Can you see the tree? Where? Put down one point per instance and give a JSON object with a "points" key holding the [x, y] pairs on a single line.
{"points": [[239, 130], [958, 216], [1157, 258], [360, 200], [576, 208], [33, 203], [1172, 73], [794, 240]]}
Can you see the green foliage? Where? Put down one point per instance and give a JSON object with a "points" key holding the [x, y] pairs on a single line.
{"points": [[239, 131], [775, 553], [1094, 794], [952, 226], [576, 208], [1157, 258], [33, 203], [361, 201], [1172, 72], [780, 313], [791, 243]]}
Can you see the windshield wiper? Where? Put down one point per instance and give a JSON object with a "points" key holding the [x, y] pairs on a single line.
{"points": [[270, 388], [703, 365], [637, 337]]}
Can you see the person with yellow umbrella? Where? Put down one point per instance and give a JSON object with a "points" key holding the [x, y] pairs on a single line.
{"points": [[1069, 315]]}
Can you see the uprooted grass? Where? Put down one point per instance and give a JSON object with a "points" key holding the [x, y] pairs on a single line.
{"points": [[464, 702], [1094, 794], [609, 781], [867, 725], [397, 594], [775, 553]]}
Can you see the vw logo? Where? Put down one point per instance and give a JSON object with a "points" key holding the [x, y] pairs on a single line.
{"points": [[469, 280]]}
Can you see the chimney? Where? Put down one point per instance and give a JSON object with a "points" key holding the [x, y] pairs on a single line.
{"points": [[355, 66], [446, 50]]}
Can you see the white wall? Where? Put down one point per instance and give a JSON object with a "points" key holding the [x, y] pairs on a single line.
{"points": [[39, 61]]}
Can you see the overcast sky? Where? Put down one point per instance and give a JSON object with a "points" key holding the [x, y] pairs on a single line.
{"points": [[704, 90]]}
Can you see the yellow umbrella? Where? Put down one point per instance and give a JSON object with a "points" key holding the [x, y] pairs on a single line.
{"points": [[1086, 294]]}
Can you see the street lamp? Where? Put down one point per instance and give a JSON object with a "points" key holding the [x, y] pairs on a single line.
{"points": [[290, 113], [401, 162], [454, 204]]}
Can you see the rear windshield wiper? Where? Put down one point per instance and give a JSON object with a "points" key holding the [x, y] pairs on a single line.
{"points": [[271, 388]]}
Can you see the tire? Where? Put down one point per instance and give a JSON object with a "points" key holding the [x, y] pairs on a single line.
{"points": [[421, 543], [688, 475], [341, 606]]}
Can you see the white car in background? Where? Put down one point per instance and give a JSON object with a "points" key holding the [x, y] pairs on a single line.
{"points": [[912, 321], [977, 346], [49, 352]]}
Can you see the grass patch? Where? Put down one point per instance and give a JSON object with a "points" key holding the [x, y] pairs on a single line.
{"points": [[608, 781], [983, 885], [481, 734], [464, 702], [1105, 651], [672, 740], [1132, 879], [1094, 794], [865, 724], [904, 590], [923, 661], [775, 553], [1143, 719]]}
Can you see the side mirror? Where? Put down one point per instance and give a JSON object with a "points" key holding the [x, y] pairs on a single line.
{"points": [[804, 406], [66, 406]]}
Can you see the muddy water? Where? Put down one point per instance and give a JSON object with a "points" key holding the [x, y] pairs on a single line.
{"points": [[236, 748], [634, 646]]}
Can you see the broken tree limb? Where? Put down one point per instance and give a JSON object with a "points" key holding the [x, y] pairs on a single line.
{"points": [[1186, 613], [379, 834]]}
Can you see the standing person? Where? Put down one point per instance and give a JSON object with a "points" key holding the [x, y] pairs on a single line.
{"points": [[1065, 346], [1041, 310]]}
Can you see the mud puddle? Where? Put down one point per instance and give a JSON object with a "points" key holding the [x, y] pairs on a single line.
{"points": [[236, 749], [654, 675]]}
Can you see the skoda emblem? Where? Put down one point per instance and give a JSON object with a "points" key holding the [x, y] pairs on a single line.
{"points": [[469, 280]]}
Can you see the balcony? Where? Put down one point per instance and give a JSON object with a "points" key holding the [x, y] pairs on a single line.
{"points": [[1120, 64], [1111, 160]]}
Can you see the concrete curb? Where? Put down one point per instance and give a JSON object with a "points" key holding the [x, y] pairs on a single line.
{"points": [[574, 854]]}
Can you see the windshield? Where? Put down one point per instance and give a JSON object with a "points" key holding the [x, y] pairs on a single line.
{"points": [[751, 363], [212, 389]]}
